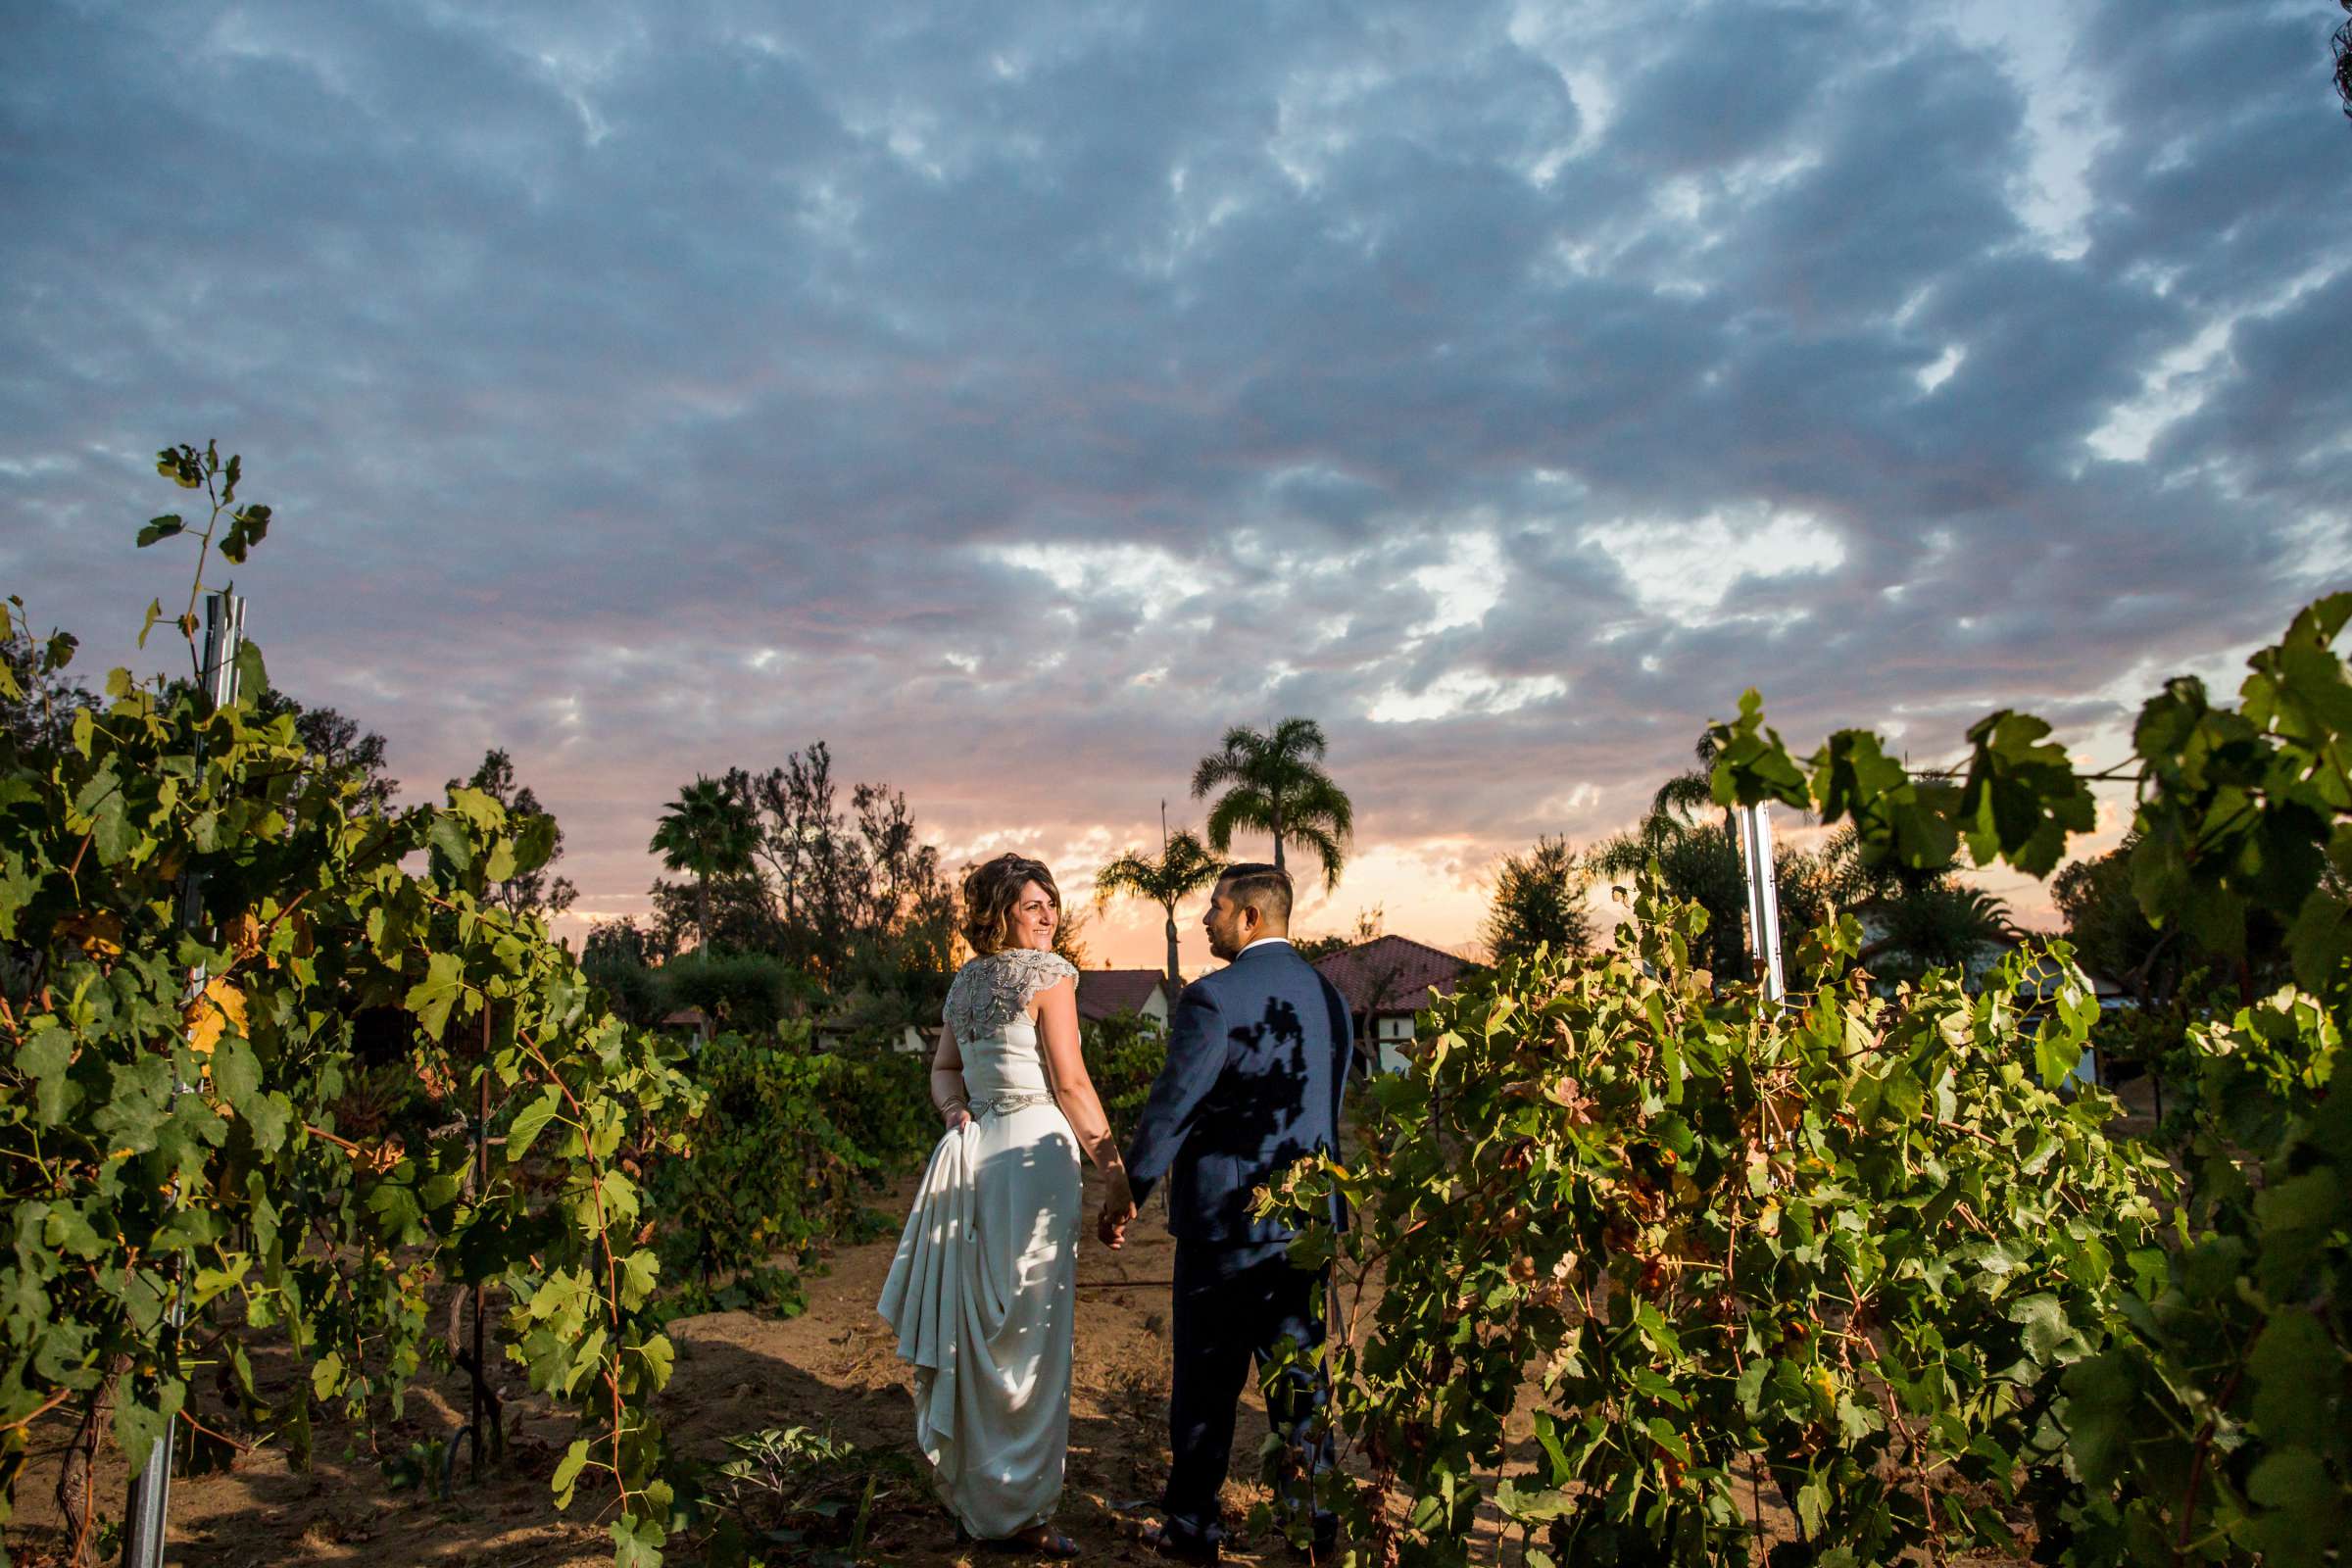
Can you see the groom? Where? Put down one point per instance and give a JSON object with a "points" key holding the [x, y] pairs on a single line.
{"points": [[1257, 1059]]}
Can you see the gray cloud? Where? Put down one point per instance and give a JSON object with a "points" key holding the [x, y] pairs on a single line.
{"points": [[1017, 400]]}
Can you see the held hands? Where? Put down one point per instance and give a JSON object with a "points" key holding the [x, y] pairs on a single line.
{"points": [[1119, 1211]]}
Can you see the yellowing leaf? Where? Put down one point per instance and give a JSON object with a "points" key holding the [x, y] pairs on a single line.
{"points": [[220, 1005], [99, 933]]}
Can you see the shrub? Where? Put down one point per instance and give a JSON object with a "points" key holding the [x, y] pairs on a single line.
{"points": [[797, 1495], [2251, 1305], [2212, 1425], [788, 1144], [1124, 1053], [632, 990], [1852, 1240], [750, 993]]}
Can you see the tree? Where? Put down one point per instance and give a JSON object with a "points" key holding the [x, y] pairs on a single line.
{"points": [[902, 882], [1069, 936], [339, 747], [2109, 931], [1275, 784], [625, 940], [343, 747], [533, 892], [805, 843], [1539, 901], [1918, 918], [829, 882], [1182, 867], [1369, 924], [741, 920], [1700, 862], [38, 697], [2113, 936], [708, 831], [1690, 792], [2341, 45]]}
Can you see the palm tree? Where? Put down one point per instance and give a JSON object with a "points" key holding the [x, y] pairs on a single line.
{"points": [[1694, 791], [709, 831], [1278, 787], [1184, 867], [1920, 919]]}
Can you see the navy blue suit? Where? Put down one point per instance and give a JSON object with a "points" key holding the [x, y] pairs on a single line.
{"points": [[1258, 1058]]}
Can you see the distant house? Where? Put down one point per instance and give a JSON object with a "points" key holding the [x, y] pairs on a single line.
{"points": [[2039, 995], [1104, 992], [1385, 981], [692, 1020]]}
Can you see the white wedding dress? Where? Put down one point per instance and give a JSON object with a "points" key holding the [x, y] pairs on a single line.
{"points": [[982, 1290]]}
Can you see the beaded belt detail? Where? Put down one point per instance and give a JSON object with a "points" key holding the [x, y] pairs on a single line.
{"points": [[1006, 1104]]}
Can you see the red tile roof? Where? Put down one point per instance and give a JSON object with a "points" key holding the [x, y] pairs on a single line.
{"points": [[1392, 975], [1103, 992]]}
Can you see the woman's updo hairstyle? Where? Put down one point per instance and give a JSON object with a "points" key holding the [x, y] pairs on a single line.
{"points": [[990, 892]]}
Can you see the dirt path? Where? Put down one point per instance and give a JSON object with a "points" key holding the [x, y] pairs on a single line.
{"points": [[832, 1367], [836, 1365]]}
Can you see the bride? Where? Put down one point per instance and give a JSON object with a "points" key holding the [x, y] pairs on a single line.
{"points": [[982, 1290]]}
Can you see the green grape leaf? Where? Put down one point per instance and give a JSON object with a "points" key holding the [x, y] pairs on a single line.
{"points": [[431, 998], [452, 839], [640, 1272], [141, 1417], [2302, 1507], [524, 1130], [1751, 765], [2293, 1397], [534, 842], [269, 1116], [659, 1356], [252, 676], [236, 1072], [45, 1058], [2046, 1330], [637, 1542], [246, 527], [2022, 800]]}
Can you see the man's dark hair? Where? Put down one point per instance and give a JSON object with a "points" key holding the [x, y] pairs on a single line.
{"points": [[1264, 887]]}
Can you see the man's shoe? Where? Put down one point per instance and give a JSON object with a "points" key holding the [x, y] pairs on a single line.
{"points": [[1182, 1547]]}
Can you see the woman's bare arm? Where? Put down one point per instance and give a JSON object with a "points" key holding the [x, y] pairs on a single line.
{"points": [[947, 1094], [1073, 1090]]}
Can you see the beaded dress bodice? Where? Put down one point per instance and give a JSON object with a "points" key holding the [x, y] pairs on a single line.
{"points": [[988, 1009]]}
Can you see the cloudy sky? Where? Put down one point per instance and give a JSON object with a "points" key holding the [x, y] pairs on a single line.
{"points": [[1016, 395]]}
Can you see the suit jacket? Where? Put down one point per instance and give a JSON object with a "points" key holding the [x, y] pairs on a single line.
{"points": [[1258, 1056]]}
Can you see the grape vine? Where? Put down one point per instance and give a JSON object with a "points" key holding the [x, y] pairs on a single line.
{"points": [[240, 1197]]}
